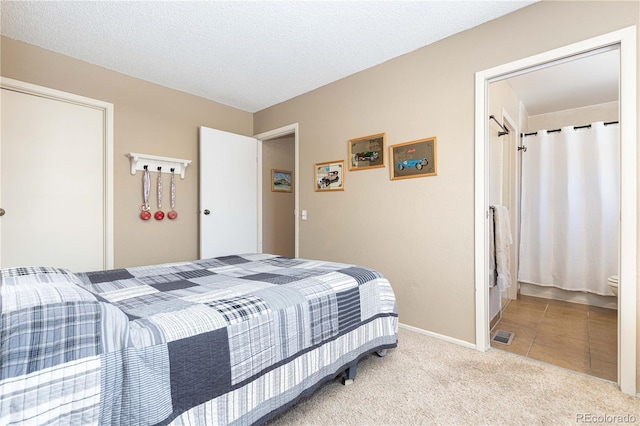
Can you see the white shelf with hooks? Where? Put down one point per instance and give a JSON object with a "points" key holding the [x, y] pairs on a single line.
{"points": [[139, 161]]}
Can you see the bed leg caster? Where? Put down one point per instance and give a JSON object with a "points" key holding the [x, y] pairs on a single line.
{"points": [[381, 353], [349, 375]]}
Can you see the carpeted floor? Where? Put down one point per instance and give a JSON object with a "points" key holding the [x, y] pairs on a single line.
{"points": [[429, 381]]}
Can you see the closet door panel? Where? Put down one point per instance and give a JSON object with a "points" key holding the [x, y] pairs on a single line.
{"points": [[51, 183]]}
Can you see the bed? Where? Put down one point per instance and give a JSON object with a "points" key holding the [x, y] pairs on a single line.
{"points": [[227, 340]]}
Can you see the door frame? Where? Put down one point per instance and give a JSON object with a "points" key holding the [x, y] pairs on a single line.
{"points": [[273, 134], [107, 110], [628, 239]]}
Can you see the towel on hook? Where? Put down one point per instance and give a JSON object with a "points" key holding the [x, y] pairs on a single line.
{"points": [[501, 240]]}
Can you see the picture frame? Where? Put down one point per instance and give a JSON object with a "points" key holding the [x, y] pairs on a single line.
{"points": [[329, 176], [367, 152], [281, 180], [414, 159]]}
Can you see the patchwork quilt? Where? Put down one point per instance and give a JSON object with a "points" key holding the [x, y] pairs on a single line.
{"points": [[228, 340]]}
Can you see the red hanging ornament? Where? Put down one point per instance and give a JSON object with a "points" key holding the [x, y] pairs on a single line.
{"points": [[173, 214], [145, 214], [159, 214]]}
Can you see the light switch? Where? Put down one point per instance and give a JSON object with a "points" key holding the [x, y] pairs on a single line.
{"points": [[304, 215]]}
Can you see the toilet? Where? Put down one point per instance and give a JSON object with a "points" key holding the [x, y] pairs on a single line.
{"points": [[613, 284]]}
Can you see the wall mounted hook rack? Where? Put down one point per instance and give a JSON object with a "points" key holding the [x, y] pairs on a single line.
{"points": [[154, 162]]}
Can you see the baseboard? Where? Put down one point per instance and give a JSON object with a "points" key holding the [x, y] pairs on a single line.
{"points": [[438, 336], [609, 302]]}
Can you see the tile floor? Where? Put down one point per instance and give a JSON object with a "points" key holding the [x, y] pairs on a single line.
{"points": [[570, 335]]}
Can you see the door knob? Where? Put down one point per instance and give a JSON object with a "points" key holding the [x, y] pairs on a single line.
{"points": [[206, 211], [2, 212]]}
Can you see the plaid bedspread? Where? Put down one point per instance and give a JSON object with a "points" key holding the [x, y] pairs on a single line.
{"points": [[228, 340]]}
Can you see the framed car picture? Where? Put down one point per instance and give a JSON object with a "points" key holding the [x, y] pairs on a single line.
{"points": [[329, 176], [414, 159], [281, 180], [367, 152]]}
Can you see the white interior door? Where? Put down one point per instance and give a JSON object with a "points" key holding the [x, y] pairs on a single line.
{"points": [[52, 183], [228, 193]]}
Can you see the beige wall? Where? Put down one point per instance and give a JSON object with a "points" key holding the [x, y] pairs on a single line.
{"points": [[502, 97], [149, 119], [278, 220], [502, 101], [419, 232]]}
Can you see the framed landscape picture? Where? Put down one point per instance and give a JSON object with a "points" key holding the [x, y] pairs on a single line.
{"points": [[329, 176], [367, 152], [414, 159], [281, 180]]}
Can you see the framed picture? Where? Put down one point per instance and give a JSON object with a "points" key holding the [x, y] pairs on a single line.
{"points": [[329, 176], [414, 159], [367, 152], [281, 180]]}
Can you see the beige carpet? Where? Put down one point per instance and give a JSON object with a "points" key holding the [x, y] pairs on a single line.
{"points": [[429, 381]]}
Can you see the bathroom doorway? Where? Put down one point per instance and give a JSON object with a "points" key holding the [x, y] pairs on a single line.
{"points": [[625, 39], [560, 110]]}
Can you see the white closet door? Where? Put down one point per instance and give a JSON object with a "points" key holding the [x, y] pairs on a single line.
{"points": [[52, 183]]}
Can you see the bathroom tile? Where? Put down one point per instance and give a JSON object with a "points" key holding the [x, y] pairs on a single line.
{"points": [[513, 307], [524, 317], [603, 332], [604, 351], [576, 329], [574, 336], [564, 343], [561, 317], [565, 312], [535, 306], [604, 315], [605, 370], [532, 300], [568, 305], [560, 357], [605, 311]]}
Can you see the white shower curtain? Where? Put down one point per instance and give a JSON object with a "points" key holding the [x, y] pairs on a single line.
{"points": [[569, 210]]}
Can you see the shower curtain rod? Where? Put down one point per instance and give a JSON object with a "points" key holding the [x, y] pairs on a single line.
{"points": [[586, 126], [504, 131]]}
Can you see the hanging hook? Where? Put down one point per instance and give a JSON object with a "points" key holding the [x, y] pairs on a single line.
{"points": [[159, 169], [146, 167]]}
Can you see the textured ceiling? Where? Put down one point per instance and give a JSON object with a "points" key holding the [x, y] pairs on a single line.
{"points": [[245, 54]]}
